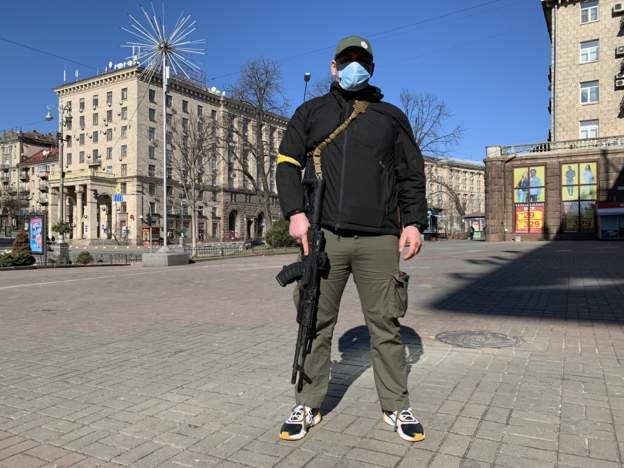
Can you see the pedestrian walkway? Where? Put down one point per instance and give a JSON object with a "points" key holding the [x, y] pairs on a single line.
{"points": [[190, 366]]}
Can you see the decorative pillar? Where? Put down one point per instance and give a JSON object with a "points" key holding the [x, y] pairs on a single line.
{"points": [[52, 211], [114, 227], [79, 230], [92, 215]]}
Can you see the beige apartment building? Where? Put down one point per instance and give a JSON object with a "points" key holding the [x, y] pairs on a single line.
{"points": [[16, 146], [34, 173], [113, 161], [572, 185], [455, 193]]}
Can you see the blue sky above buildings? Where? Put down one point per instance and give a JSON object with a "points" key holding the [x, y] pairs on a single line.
{"points": [[489, 62]]}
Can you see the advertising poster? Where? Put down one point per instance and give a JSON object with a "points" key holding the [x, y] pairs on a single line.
{"points": [[588, 192], [588, 173], [588, 210], [536, 218], [35, 235], [537, 180], [521, 185], [522, 219], [570, 193], [570, 175], [570, 216], [529, 184]]}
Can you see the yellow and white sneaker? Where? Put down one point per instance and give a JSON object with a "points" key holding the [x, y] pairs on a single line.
{"points": [[405, 424], [300, 420]]}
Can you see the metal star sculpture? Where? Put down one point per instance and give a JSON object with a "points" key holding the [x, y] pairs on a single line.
{"points": [[159, 50]]}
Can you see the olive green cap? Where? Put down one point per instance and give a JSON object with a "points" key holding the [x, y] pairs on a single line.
{"points": [[354, 41]]}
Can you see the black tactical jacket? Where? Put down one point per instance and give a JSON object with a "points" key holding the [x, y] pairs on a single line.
{"points": [[373, 171]]}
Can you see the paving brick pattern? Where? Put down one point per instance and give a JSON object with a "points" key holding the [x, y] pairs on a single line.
{"points": [[190, 366]]}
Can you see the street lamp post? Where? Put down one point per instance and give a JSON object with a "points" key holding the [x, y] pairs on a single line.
{"points": [[65, 119], [306, 78]]}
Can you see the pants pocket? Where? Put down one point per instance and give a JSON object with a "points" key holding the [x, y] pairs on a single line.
{"points": [[397, 292]]}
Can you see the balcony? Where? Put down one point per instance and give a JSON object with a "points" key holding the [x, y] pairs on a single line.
{"points": [[6, 167], [43, 174], [24, 176], [43, 200], [44, 188], [616, 142]]}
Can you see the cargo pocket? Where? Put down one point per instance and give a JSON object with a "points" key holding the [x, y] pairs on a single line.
{"points": [[397, 291]]}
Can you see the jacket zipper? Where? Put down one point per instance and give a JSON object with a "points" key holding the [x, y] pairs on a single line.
{"points": [[342, 175]]}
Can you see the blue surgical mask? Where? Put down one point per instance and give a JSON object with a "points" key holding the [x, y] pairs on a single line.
{"points": [[353, 77]]}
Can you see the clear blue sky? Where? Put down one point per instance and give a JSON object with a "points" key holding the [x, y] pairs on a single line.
{"points": [[489, 64]]}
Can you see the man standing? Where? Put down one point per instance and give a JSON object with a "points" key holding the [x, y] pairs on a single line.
{"points": [[374, 206]]}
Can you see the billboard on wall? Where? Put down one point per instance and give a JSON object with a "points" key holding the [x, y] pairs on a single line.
{"points": [[529, 218], [36, 237], [522, 219], [579, 190]]}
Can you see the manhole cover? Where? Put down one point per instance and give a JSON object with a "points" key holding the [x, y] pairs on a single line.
{"points": [[477, 339]]}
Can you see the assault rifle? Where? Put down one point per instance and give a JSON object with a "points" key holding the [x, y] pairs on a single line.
{"points": [[308, 271]]}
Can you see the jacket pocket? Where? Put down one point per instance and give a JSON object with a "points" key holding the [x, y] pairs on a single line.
{"points": [[397, 294]]}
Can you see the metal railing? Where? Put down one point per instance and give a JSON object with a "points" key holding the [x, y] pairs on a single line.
{"points": [[238, 250], [546, 147]]}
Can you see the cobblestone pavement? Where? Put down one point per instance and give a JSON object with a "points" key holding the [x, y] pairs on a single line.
{"points": [[190, 366]]}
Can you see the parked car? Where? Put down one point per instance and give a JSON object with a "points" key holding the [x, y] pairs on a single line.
{"points": [[250, 243]]}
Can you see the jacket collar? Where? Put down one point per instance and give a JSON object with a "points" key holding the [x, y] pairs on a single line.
{"points": [[370, 93]]}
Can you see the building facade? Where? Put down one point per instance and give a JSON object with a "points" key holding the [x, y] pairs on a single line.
{"points": [[113, 161], [15, 147], [570, 186], [455, 191], [34, 173]]}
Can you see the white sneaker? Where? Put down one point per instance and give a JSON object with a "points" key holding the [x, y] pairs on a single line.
{"points": [[300, 420], [405, 424]]}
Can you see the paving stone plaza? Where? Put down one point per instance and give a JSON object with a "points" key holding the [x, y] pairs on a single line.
{"points": [[190, 366]]}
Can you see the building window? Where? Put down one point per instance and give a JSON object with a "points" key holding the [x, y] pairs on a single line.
{"points": [[95, 101], [95, 119], [124, 151], [109, 153], [124, 171], [81, 122], [152, 95], [124, 131], [579, 185], [68, 158], [589, 92], [169, 101], [152, 207], [185, 124], [151, 170], [94, 136], [151, 152], [81, 139], [151, 133], [590, 51], [68, 141], [588, 129], [95, 155], [109, 169], [123, 186], [152, 115], [529, 199], [123, 207], [589, 11], [124, 94], [185, 107], [124, 113], [109, 116], [81, 105], [151, 189], [169, 117], [109, 98], [81, 157], [200, 111], [109, 134]]}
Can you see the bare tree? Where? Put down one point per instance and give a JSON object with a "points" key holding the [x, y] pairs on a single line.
{"points": [[429, 118], [320, 87], [260, 89], [193, 161]]}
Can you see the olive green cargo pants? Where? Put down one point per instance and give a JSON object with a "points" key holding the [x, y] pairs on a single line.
{"points": [[374, 262]]}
